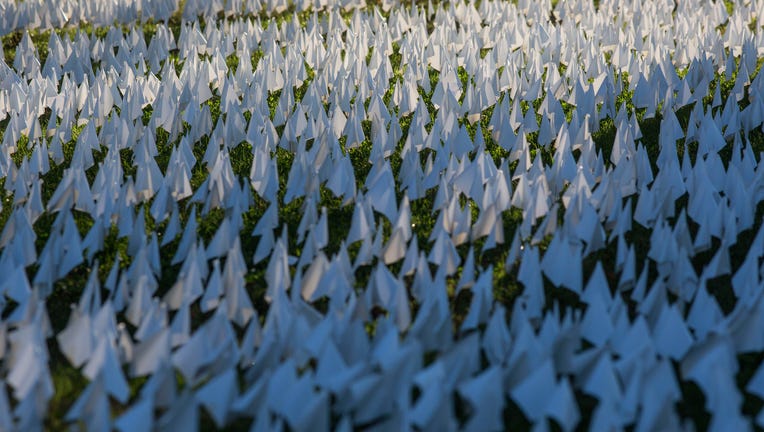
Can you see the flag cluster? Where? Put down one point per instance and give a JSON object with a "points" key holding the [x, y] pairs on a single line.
{"points": [[604, 161]]}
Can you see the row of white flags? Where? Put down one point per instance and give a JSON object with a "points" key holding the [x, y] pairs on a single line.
{"points": [[319, 355], [51, 14]]}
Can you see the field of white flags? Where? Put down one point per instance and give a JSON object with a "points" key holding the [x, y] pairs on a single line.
{"points": [[312, 215]]}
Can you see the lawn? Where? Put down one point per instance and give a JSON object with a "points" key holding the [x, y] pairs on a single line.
{"points": [[487, 215]]}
